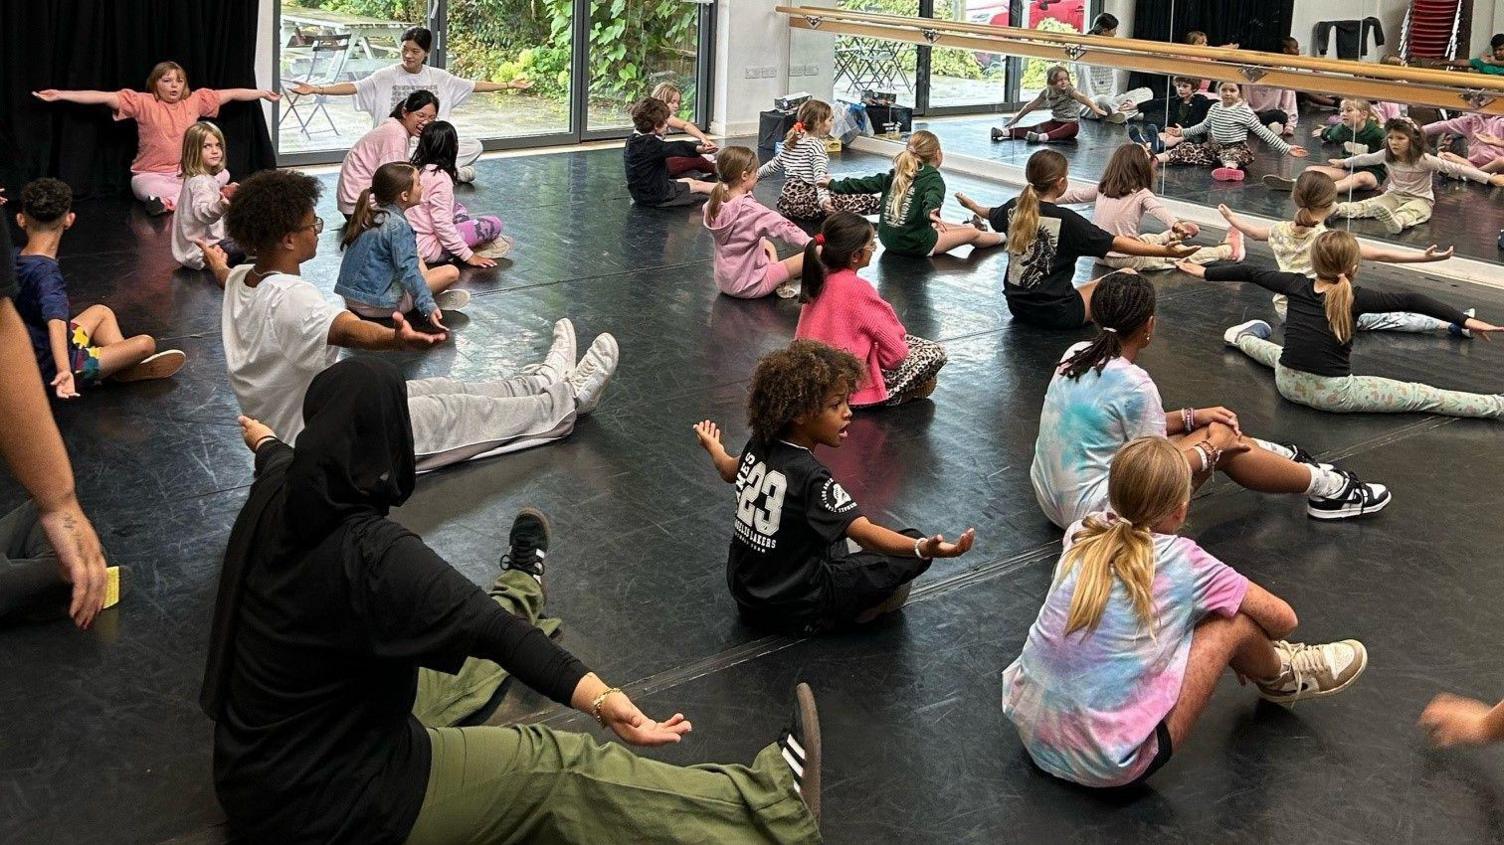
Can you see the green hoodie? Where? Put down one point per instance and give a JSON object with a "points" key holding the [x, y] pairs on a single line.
{"points": [[910, 232], [1371, 136]]}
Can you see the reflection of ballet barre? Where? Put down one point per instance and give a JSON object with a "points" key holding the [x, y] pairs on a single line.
{"points": [[1418, 86]]}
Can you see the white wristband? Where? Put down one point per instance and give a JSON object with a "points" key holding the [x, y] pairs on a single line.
{"points": [[918, 553]]}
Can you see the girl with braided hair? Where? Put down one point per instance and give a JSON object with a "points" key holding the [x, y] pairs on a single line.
{"points": [[1100, 398]]}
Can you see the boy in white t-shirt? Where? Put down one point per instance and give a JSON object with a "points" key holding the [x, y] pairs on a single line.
{"points": [[279, 332], [380, 92]]}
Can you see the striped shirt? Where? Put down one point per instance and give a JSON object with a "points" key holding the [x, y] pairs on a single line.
{"points": [[805, 159], [1231, 126]]}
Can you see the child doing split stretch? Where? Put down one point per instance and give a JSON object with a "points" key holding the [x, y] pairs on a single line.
{"points": [[1122, 199], [1227, 125], [1314, 368], [1315, 197], [162, 113], [646, 158], [1065, 104], [445, 228], [746, 262], [804, 163], [912, 193], [804, 559], [672, 97], [841, 309], [381, 271], [1485, 139], [1137, 629], [201, 206], [1408, 196], [1044, 243], [1100, 398], [89, 346], [1358, 131]]}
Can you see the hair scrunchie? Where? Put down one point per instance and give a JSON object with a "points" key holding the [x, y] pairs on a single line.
{"points": [[820, 239], [798, 126]]}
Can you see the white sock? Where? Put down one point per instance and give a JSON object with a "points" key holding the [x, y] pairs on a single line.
{"points": [[1325, 483], [1282, 451]]}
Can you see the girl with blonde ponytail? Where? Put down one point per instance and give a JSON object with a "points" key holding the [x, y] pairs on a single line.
{"points": [[1314, 367], [746, 262], [912, 193], [1138, 627], [1044, 243]]}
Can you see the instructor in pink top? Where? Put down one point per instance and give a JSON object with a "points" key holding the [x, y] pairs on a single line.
{"points": [[382, 145], [162, 114]]}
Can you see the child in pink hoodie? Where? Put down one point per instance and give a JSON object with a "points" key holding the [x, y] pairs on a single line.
{"points": [[843, 310], [1485, 140], [445, 228], [746, 262]]}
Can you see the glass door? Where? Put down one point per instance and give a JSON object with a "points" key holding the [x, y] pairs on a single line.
{"points": [[513, 42], [637, 47], [871, 64]]}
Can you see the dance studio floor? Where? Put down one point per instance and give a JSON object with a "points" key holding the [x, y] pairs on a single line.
{"points": [[102, 739]]}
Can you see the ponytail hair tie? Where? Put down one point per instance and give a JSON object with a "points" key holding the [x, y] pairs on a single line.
{"points": [[820, 239], [1112, 517], [1109, 329], [798, 126]]}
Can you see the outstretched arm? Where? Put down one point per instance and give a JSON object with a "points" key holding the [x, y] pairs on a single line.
{"points": [[351, 332], [1134, 246], [1404, 256], [1252, 230], [709, 435], [338, 89], [246, 95], [487, 87], [1028, 107], [1453, 720], [88, 98], [875, 538]]}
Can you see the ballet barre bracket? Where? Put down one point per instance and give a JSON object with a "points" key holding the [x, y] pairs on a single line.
{"points": [[1074, 52], [814, 21], [931, 35], [1252, 74]]}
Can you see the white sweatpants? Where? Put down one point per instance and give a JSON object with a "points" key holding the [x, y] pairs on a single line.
{"points": [[455, 421]]}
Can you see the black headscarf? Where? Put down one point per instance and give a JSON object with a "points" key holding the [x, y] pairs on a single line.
{"points": [[354, 460]]}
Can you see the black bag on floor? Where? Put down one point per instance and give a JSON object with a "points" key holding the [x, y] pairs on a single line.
{"points": [[773, 126], [885, 118]]}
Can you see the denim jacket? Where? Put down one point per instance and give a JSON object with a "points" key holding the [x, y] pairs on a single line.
{"points": [[382, 264]]}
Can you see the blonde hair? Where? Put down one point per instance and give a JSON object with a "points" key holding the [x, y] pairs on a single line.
{"points": [[161, 69], [1054, 71], [193, 150], [922, 149], [665, 90], [1314, 192], [1361, 106], [730, 164], [1044, 169], [1149, 481], [1334, 257], [811, 114]]}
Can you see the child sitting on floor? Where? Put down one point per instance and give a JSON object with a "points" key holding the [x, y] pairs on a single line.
{"points": [[804, 559], [912, 193], [201, 206], [678, 166], [445, 228], [1184, 106], [1358, 131], [1137, 629], [1484, 134], [804, 163], [1065, 104], [90, 347], [746, 262], [381, 271], [1408, 197], [1227, 125], [842, 309], [646, 158]]}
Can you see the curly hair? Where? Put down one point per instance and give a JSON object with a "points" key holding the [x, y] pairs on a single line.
{"points": [[794, 381], [46, 201], [269, 206], [649, 114]]}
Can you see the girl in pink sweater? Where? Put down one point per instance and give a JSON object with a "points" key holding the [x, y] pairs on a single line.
{"points": [[445, 228], [1485, 140], [843, 310], [383, 145], [746, 262]]}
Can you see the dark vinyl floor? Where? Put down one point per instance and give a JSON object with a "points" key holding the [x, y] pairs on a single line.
{"points": [[1468, 215], [101, 739]]}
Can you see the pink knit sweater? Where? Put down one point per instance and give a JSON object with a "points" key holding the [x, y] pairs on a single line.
{"points": [[386, 143], [433, 218], [849, 314]]}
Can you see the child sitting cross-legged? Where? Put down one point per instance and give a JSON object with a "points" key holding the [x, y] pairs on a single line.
{"points": [[804, 559], [90, 346], [1137, 628]]}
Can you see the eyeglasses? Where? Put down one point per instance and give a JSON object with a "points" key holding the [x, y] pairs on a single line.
{"points": [[317, 226]]}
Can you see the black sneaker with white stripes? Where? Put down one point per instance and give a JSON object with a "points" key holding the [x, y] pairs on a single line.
{"points": [[800, 745], [1356, 499], [528, 542]]}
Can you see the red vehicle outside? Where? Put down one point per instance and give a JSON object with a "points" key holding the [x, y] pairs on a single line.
{"points": [[995, 12]]}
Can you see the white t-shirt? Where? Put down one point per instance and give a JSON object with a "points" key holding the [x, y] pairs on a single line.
{"points": [[276, 338], [380, 92], [1081, 426]]}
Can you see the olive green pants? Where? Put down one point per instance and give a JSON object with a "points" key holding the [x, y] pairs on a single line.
{"points": [[530, 783]]}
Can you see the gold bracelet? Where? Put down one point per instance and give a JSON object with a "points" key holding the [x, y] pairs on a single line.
{"points": [[595, 706]]}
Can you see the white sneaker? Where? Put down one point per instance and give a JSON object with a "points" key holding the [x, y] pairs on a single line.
{"points": [[1257, 328], [1276, 127], [164, 364], [1315, 671], [1117, 117], [589, 379], [557, 365], [787, 290], [453, 299], [466, 174]]}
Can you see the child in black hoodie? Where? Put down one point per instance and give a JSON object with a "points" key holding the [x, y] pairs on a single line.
{"points": [[646, 157]]}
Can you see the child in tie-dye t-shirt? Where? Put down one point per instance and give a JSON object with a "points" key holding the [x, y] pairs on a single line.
{"points": [[1138, 626]]}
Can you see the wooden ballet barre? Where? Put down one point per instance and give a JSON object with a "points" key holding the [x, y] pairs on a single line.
{"points": [[1418, 86]]}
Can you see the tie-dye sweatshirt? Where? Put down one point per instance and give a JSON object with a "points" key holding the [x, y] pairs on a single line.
{"points": [[1083, 423], [1086, 704]]}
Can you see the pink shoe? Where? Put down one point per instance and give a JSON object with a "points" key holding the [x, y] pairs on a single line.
{"points": [[1227, 174], [1235, 240]]}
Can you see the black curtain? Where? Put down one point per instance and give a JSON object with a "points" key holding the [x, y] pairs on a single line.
{"points": [[1251, 24], [107, 45]]}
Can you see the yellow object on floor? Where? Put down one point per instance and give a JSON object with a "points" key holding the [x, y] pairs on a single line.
{"points": [[832, 145], [112, 587]]}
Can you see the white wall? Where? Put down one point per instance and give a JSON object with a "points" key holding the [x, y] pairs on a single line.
{"points": [[751, 37]]}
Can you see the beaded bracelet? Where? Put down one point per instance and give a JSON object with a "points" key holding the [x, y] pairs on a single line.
{"points": [[1188, 419], [595, 706]]}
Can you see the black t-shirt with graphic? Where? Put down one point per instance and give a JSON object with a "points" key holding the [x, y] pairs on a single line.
{"points": [[789, 511], [1041, 276]]}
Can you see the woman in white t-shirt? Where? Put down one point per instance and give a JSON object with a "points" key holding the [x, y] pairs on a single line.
{"points": [[380, 92]]}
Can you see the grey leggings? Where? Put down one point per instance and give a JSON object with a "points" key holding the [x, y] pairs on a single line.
{"points": [[1358, 394]]}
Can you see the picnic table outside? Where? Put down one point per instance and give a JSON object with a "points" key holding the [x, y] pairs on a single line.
{"points": [[374, 43]]}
